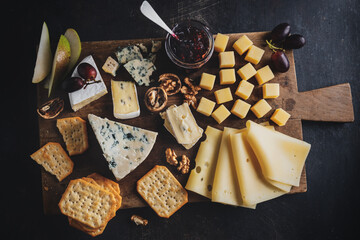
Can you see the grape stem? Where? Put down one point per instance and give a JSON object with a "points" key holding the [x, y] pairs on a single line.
{"points": [[88, 82], [273, 47]]}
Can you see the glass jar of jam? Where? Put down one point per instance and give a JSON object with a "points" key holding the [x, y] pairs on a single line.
{"points": [[194, 46]]}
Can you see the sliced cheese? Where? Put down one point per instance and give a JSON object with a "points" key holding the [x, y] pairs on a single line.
{"points": [[253, 185], [125, 99], [226, 186], [202, 176], [124, 147], [281, 157]]}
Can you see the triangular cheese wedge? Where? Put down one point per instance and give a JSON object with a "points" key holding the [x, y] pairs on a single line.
{"points": [[125, 147], [253, 185], [226, 186], [281, 157]]}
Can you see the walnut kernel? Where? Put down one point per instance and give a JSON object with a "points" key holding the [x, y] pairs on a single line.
{"points": [[171, 156], [184, 164]]}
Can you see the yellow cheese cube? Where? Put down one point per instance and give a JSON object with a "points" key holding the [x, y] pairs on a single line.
{"points": [[247, 71], [271, 90], [207, 81], [242, 44], [205, 106], [254, 54], [280, 117], [264, 75], [240, 108], [244, 89], [223, 95], [227, 59], [220, 114], [261, 108], [220, 43], [227, 76]]}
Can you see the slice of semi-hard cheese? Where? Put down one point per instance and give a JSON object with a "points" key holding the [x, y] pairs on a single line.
{"points": [[125, 147], [226, 186], [92, 92], [253, 185], [202, 176], [125, 99], [182, 124], [140, 70], [281, 157]]}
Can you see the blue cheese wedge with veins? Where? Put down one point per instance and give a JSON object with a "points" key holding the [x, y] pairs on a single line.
{"points": [[128, 53], [124, 147], [140, 70]]}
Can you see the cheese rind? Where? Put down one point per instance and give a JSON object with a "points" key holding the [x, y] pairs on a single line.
{"points": [[124, 147], [202, 176], [281, 157], [125, 99]]}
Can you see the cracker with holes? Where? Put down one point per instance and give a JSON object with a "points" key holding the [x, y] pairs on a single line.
{"points": [[162, 191], [88, 203], [54, 159], [74, 132]]}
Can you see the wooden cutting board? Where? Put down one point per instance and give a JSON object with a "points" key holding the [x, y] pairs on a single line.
{"points": [[327, 104]]}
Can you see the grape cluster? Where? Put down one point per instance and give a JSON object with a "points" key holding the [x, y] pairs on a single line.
{"points": [[280, 40], [87, 76]]}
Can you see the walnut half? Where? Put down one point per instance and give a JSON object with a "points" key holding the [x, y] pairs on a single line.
{"points": [[184, 165], [155, 99], [171, 156]]}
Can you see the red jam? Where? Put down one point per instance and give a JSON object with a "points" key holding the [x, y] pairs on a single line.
{"points": [[192, 46]]}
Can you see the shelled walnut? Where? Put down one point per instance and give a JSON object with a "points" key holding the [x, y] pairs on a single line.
{"points": [[155, 99], [171, 156], [171, 83], [51, 109], [184, 164], [139, 220], [190, 91]]}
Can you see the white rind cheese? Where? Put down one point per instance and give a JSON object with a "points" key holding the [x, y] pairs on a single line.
{"points": [[124, 147], [92, 92], [140, 70], [125, 99]]}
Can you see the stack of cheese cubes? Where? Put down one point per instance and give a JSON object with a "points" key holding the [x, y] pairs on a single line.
{"points": [[241, 167], [227, 75]]}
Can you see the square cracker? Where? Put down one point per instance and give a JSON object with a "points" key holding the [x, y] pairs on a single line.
{"points": [[162, 191], [74, 132], [54, 159], [87, 203]]}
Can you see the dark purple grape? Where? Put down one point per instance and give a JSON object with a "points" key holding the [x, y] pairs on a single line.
{"points": [[280, 62], [280, 32], [87, 71], [72, 84], [294, 41]]}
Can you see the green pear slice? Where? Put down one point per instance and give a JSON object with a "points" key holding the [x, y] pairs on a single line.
{"points": [[60, 63], [75, 45], [44, 56]]}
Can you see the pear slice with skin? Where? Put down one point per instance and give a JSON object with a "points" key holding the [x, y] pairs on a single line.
{"points": [[75, 46], [44, 56], [60, 63]]}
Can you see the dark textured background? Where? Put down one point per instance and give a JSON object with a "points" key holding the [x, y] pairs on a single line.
{"points": [[330, 208]]}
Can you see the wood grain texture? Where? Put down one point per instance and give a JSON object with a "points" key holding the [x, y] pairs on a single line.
{"points": [[93, 161]]}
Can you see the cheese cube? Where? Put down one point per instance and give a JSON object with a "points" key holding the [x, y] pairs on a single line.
{"points": [[207, 81], [271, 90], [227, 59], [220, 114], [247, 71], [227, 76], [254, 54], [260, 108], [280, 117], [111, 66], [240, 108], [223, 95], [242, 44], [264, 75], [205, 106], [244, 89], [220, 43]]}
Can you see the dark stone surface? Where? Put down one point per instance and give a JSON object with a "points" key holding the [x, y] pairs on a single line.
{"points": [[330, 208]]}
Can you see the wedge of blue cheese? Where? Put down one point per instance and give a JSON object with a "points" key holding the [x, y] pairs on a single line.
{"points": [[124, 147], [140, 70], [128, 53]]}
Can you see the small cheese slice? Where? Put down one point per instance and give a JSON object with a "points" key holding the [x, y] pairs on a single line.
{"points": [[140, 70], [125, 99], [202, 176], [92, 92], [253, 185], [128, 53], [226, 186], [124, 147], [281, 157]]}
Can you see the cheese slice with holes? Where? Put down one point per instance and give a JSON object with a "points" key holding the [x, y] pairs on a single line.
{"points": [[202, 176], [281, 157], [254, 187]]}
